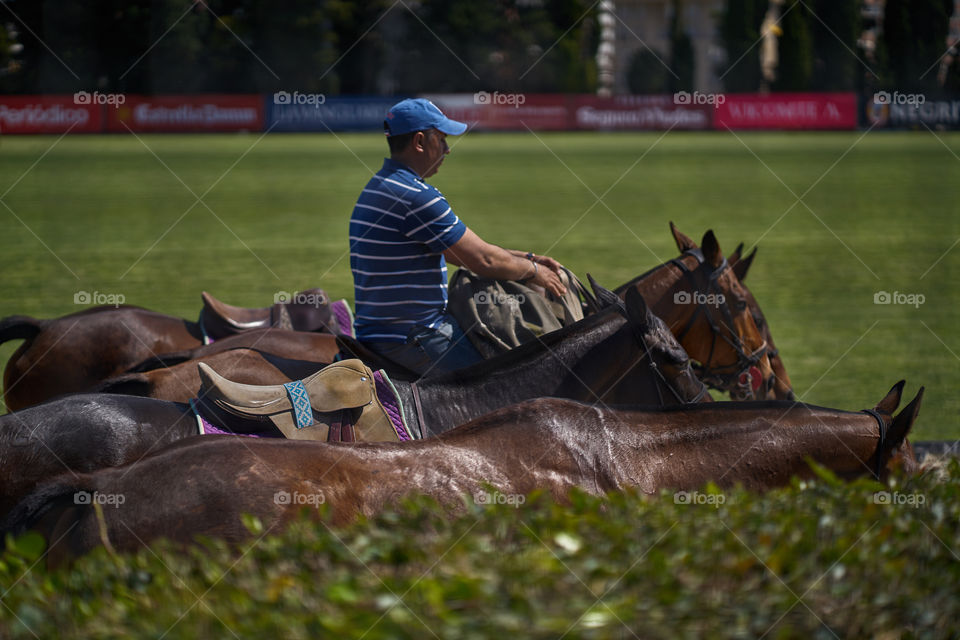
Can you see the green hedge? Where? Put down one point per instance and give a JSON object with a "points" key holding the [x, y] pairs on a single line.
{"points": [[815, 560]]}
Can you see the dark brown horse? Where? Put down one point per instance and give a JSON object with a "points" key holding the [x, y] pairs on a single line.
{"points": [[544, 444], [621, 355], [68, 354]]}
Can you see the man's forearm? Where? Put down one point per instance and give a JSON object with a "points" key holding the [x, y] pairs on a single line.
{"points": [[508, 265]]}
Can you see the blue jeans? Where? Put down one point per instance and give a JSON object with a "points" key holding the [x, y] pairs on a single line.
{"points": [[432, 351]]}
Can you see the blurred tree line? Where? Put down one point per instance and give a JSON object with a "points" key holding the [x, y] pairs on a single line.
{"points": [[819, 48], [329, 46]]}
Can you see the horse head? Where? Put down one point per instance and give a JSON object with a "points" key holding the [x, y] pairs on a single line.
{"points": [[782, 387], [656, 360], [709, 308]]}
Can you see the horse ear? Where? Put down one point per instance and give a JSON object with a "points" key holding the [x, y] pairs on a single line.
{"points": [[903, 422], [891, 401], [637, 310], [740, 267], [684, 243], [711, 249], [605, 297], [735, 255]]}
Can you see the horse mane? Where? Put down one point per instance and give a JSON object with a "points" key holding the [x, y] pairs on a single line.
{"points": [[525, 351]]}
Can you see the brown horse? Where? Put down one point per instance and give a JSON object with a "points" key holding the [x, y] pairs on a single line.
{"points": [[74, 352], [782, 387], [544, 444]]}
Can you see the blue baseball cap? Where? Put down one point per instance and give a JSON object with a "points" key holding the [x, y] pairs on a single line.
{"points": [[419, 114]]}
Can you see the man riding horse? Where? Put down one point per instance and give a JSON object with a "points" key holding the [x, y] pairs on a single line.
{"points": [[402, 234]]}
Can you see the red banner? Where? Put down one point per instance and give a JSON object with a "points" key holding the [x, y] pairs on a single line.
{"points": [[49, 114], [187, 113], [786, 111]]}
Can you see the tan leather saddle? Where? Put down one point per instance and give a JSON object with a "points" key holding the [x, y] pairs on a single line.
{"points": [[339, 403], [307, 311]]}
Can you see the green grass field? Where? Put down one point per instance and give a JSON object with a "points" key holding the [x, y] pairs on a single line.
{"points": [[837, 217]]}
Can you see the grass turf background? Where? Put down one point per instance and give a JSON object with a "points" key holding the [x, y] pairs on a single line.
{"points": [[837, 217]]}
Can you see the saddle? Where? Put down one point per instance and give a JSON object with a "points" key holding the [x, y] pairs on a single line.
{"points": [[339, 403], [309, 310], [499, 315]]}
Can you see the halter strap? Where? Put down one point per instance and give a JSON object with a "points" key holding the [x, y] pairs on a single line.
{"points": [[883, 439]]}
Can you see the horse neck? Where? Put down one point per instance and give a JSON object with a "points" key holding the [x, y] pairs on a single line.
{"points": [[454, 399], [759, 447]]}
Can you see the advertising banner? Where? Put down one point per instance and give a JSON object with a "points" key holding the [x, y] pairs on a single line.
{"points": [[186, 113], [681, 111], [298, 111], [787, 111], [76, 113], [896, 110]]}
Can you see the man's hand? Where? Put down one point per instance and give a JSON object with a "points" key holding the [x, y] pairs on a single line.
{"points": [[548, 276], [549, 263]]}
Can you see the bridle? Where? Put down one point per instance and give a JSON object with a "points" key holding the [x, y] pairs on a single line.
{"points": [[735, 377], [642, 339], [878, 465]]}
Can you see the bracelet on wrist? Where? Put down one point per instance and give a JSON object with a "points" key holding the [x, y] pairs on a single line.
{"points": [[535, 270]]}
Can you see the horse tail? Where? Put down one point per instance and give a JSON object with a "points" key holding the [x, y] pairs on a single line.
{"points": [[128, 384], [19, 328], [55, 494]]}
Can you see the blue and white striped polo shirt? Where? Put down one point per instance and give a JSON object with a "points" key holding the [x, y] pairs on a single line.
{"points": [[399, 228]]}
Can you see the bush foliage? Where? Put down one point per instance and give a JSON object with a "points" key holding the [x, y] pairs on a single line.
{"points": [[818, 559]]}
